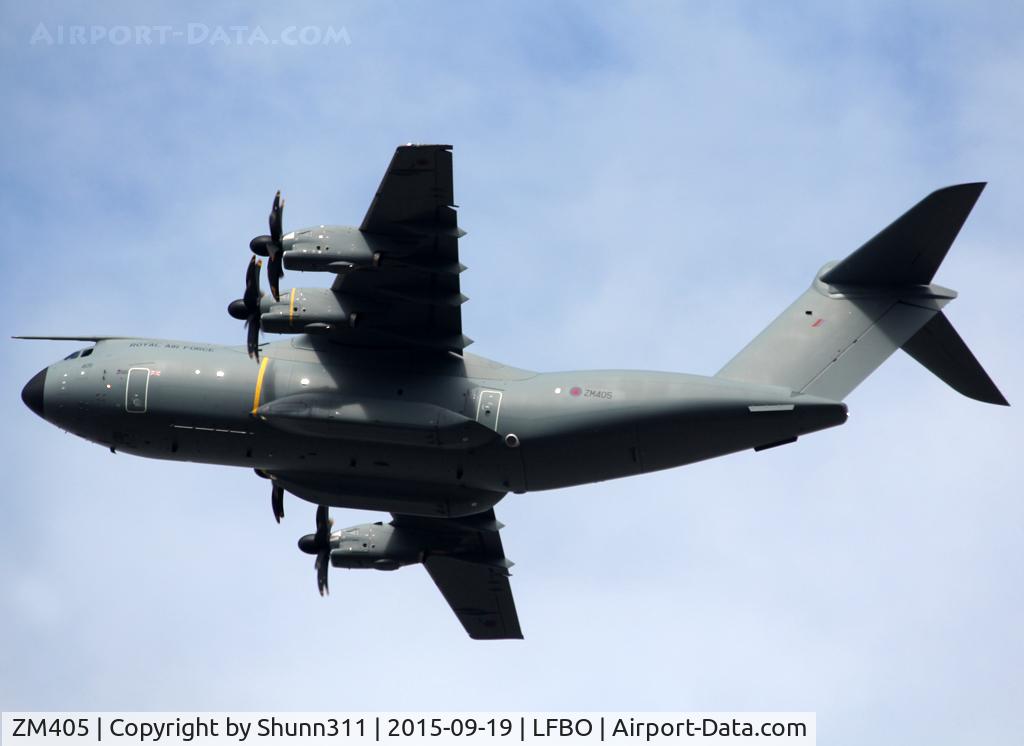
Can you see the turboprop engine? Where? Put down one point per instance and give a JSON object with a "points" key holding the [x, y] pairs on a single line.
{"points": [[378, 546]]}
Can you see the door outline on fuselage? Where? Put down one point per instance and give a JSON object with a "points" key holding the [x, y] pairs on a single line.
{"points": [[128, 406], [492, 397]]}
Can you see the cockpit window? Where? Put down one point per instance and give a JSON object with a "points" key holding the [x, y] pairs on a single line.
{"points": [[80, 353]]}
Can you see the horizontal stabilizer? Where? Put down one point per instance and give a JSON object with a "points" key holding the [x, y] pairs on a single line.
{"points": [[910, 250], [939, 348]]}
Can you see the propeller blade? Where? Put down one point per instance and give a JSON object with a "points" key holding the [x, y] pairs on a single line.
{"points": [[276, 219], [277, 501], [251, 302], [252, 339], [322, 540], [323, 564], [275, 271], [251, 298], [323, 525]]}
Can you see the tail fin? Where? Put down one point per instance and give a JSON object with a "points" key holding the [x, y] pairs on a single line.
{"points": [[860, 310]]}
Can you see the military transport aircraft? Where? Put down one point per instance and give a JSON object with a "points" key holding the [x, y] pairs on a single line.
{"points": [[373, 402]]}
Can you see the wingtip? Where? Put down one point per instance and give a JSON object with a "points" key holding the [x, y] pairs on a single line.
{"points": [[438, 146], [967, 187], [989, 395]]}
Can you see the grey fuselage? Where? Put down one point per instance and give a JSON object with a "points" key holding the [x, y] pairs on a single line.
{"points": [[406, 432]]}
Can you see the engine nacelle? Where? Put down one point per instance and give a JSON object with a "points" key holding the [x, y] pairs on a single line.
{"points": [[378, 546], [328, 248], [305, 310]]}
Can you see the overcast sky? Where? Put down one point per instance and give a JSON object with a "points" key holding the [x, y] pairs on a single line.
{"points": [[645, 186]]}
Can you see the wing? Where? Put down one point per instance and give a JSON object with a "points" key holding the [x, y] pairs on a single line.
{"points": [[415, 193], [413, 228], [480, 596], [471, 572], [463, 556], [71, 339]]}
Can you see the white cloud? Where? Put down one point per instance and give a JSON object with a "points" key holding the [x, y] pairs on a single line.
{"points": [[644, 186]]}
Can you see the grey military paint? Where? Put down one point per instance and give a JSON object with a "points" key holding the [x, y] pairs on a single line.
{"points": [[391, 414], [358, 417]]}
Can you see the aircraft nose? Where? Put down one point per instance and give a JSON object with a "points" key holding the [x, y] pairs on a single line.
{"points": [[32, 394]]}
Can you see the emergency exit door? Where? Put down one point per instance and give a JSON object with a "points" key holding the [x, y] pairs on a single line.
{"points": [[488, 407], [136, 393]]}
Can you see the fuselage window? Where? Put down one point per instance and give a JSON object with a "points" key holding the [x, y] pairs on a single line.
{"points": [[137, 390]]}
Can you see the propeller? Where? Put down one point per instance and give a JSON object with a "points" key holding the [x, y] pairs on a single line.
{"points": [[320, 545], [270, 246], [247, 308]]}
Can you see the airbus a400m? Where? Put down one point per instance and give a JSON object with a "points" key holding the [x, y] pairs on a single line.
{"points": [[372, 402]]}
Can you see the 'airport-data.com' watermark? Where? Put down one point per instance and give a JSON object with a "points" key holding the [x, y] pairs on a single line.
{"points": [[191, 34]]}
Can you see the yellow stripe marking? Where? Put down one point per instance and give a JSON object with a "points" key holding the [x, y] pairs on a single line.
{"points": [[259, 384], [291, 308]]}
